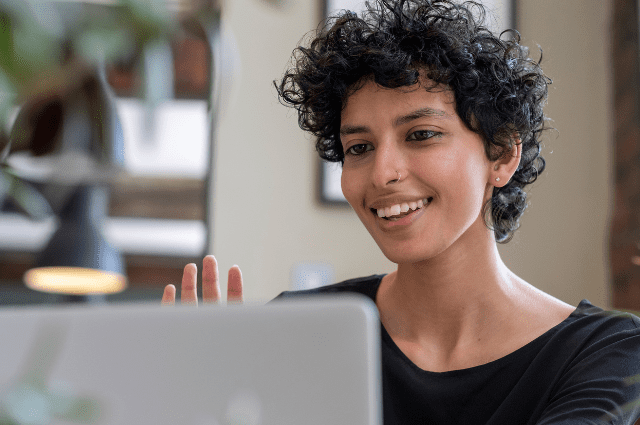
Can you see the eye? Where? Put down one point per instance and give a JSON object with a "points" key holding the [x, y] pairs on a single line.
{"points": [[422, 135], [359, 149]]}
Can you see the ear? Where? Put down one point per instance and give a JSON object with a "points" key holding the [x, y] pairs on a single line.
{"points": [[505, 166]]}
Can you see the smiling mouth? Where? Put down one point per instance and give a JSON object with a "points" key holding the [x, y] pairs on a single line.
{"points": [[398, 211]]}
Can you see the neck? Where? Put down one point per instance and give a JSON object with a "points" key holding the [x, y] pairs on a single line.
{"points": [[452, 300]]}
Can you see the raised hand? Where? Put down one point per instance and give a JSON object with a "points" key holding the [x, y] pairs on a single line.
{"points": [[210, 285]]}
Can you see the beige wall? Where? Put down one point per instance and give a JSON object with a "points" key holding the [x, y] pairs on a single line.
{"points": [[562, 247], [266, 214]]}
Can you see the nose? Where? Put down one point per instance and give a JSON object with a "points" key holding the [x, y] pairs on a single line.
{"points": [[389, 165]]}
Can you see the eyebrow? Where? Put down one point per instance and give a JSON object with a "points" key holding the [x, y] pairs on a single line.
{"points": [[404, 119], [420, 113]]}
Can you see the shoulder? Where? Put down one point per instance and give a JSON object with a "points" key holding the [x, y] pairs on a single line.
{"points": [[596, 353], [591, 329], [363, 285], [600, 322]]}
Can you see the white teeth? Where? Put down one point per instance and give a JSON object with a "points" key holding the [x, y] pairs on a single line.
{"points": [[401, 208]]}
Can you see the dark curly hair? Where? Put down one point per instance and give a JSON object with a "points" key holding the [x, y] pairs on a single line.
{"points": [[499, 91]]}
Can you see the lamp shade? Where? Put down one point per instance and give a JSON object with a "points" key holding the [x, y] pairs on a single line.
{"points": [[78, 260]]}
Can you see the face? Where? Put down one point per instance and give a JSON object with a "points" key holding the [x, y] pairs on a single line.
{"points": [[414, 173]]}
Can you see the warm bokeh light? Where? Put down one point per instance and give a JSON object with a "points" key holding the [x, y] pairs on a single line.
{"points": [[74, 280]]}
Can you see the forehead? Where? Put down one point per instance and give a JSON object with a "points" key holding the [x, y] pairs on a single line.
{"points": [[372, 101]]}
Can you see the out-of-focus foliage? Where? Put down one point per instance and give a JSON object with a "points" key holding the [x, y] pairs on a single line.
{"points": [[50, 47], [41, 42]]}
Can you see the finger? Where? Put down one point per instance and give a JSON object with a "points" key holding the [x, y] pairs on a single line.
{"points": [[169, 295], [189, 290], [234, 285], [210, 280]]}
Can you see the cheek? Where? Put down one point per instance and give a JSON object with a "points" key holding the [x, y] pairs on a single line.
{"points": [[441, 168], [353, 189], [467, 164], [459, 177], [474, 178], [349, 186]]}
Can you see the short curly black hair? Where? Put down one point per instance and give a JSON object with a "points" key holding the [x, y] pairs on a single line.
{"points": [[499, 90]]}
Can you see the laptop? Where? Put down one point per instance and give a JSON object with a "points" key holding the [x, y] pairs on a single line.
{"points": [[302, 362]]}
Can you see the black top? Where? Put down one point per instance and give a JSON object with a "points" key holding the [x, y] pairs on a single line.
{"points": [[586, 370]]}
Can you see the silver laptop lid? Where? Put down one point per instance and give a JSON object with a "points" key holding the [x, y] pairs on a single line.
{"points": [[296, 362]]}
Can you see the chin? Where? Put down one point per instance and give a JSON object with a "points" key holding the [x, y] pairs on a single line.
{"points": [[399, 254]]}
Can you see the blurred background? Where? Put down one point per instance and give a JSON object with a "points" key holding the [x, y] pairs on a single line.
{"points": [[193, 154]]}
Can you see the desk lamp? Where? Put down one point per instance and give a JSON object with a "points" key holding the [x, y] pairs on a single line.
{"points": [[67, 141]]}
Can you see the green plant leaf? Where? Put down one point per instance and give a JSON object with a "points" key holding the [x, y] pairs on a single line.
{"points": [[24, 195]]}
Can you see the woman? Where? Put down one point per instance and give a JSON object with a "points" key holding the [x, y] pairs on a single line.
{"points": [[437, 124]]}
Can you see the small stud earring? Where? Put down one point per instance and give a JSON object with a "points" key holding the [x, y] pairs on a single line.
{"points": [[497, 179]]}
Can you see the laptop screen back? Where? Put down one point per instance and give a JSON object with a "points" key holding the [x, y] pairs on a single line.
{"points": [[295, 362]]}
